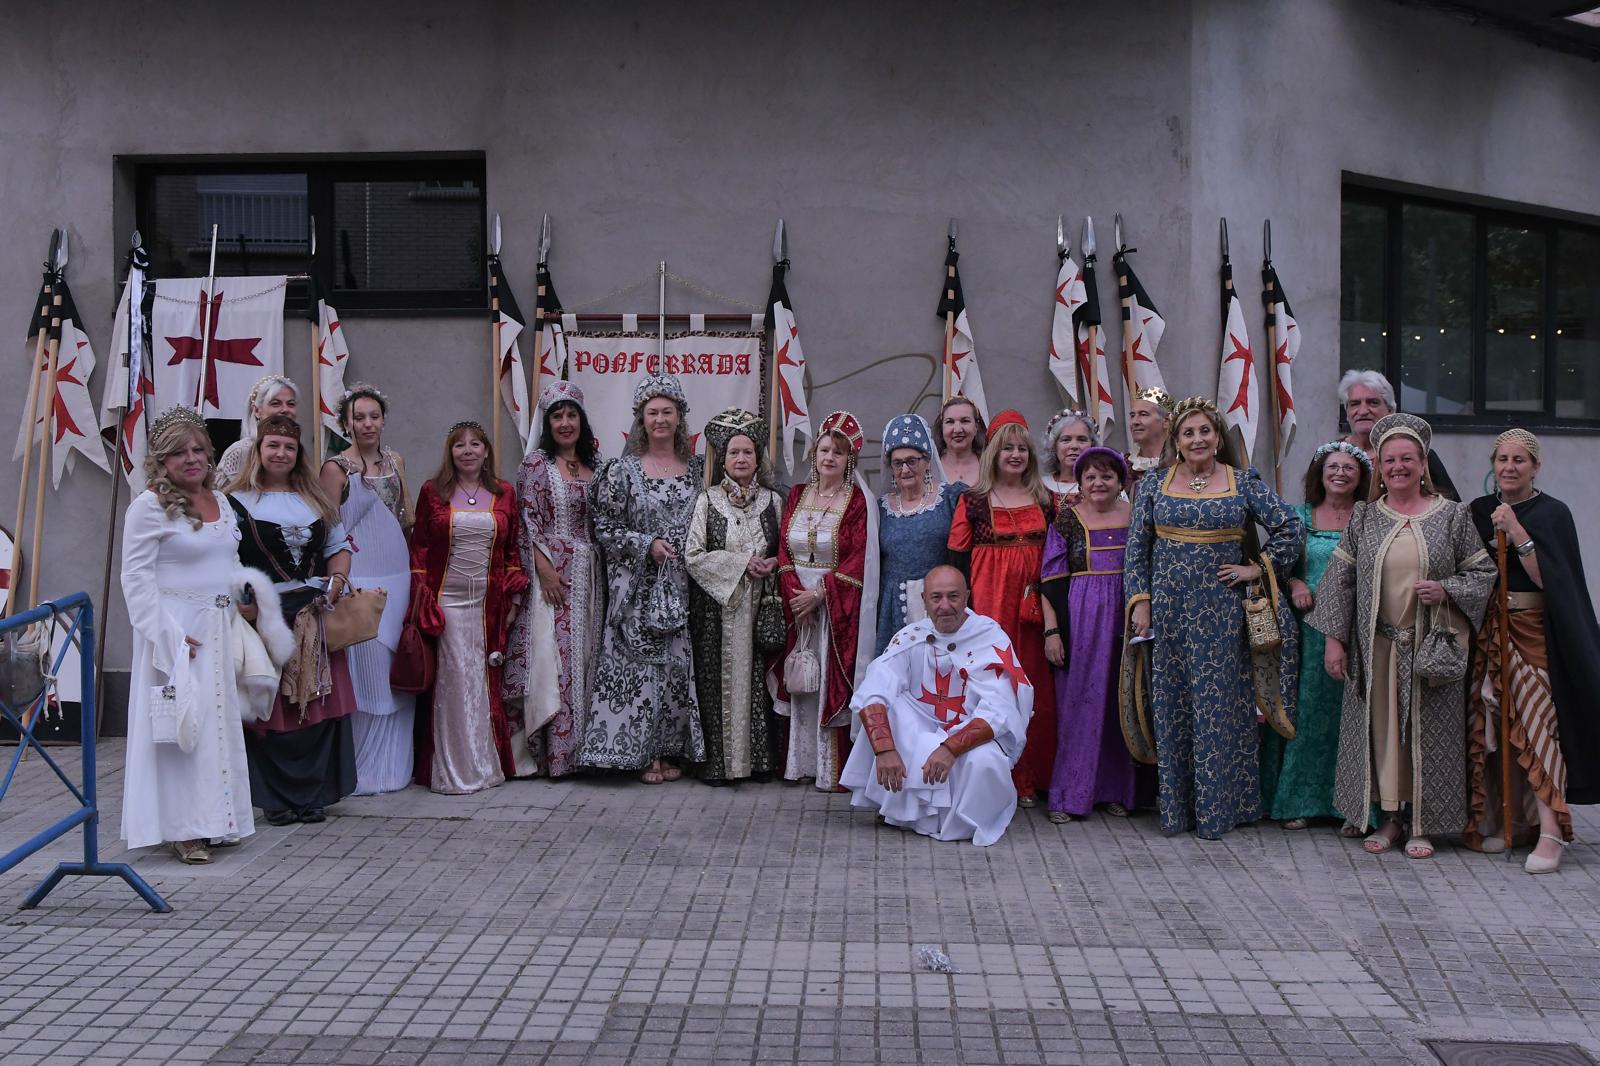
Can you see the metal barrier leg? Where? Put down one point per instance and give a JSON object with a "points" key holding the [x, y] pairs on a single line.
{"points": [[89, 813]]}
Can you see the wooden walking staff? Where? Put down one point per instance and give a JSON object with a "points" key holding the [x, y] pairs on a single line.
{"points": [[1503, 550], [494, 333], [1269, 296], [208, 304], [950, 316], [49, 296]]}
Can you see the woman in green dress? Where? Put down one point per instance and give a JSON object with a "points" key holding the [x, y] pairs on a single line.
{"points": [[1297, 775]]}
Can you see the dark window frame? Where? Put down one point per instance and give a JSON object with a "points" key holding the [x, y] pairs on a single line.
{"points": [[322, 173], [1392, 198]]}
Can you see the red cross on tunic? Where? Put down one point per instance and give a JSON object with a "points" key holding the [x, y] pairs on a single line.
{"points": [[1240, 353], [1005, 665], [948, 710], [238, 350]]}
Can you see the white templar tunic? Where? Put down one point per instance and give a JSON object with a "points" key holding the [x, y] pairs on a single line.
{"points": [[934, 684]]}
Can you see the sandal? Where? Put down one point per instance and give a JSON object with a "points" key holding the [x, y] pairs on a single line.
{"points": [[1537, 865], [1294, 825], [1060, 817], [1419, 848], [1382, 838], [191, 852], [1349, 830], [1116, 810]]}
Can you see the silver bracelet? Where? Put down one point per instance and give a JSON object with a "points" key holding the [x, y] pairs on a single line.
{"points": [[1525, 549]]}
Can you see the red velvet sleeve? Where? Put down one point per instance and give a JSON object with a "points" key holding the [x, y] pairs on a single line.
{"points": [[510, 552], [788, 584], [960, 528], [843, 585], [430, 619]]}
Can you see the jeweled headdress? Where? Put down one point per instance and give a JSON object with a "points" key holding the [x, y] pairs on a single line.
{"points": [[1065, 417], [1186, 406], [560, 392], [261, 386], [177, 414], [1342, 446], [1157, 395], [659, 385], [733, 422], [845, 424], [907, 431], [468, 423]]}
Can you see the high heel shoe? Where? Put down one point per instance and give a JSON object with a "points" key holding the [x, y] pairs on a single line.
{"points": [[1536, 865]]}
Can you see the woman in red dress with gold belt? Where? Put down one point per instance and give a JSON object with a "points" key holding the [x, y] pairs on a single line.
{"points": [[997, 536]]}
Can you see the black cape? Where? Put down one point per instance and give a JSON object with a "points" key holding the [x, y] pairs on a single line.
{"points": [[1572, 636]]}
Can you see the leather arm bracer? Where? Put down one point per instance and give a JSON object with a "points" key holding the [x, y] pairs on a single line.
{"points": [[875, 720], [969, 736]]}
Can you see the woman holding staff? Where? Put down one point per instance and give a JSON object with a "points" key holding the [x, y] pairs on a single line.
{"points": [[1554, 668], [1410, 562]]}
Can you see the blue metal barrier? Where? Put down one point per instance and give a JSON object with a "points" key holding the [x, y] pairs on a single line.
{"points": [[88, 812]]}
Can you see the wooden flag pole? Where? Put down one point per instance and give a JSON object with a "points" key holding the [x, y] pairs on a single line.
{"points": [[1503, 549], [316, 388], [1272, 386], [39, 351], [1129, 383], [494, 352], [207, 302], [52, 352], [1094, 378]]}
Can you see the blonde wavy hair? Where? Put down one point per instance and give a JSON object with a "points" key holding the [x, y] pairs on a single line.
{"points": [[165, 445], [989, 464], [302, 481]]}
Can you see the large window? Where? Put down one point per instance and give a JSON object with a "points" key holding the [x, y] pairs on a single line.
{"points": [[1481, 317], [391, 235]]}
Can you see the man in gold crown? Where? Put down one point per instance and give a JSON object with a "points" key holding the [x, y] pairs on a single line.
{"points": [[1147, 425]]}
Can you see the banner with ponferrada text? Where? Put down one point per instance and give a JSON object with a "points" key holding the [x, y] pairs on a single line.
{"points": [[718, 368]]}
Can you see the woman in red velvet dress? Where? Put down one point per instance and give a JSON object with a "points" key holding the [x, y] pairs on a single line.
{"points": [[828, 578], [466, 584], [997, 536]]}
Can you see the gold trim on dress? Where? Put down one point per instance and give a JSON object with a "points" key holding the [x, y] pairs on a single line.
{"points": [[1231, 490], [1200, 536]]}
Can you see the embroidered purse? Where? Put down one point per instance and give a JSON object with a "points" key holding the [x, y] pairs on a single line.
{"points": [[771, 631], [1261, 619], [665, 610], [802, 671], [1441, 657]]}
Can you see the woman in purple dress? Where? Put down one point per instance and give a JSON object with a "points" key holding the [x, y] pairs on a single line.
{"points": [[1083, 605]]}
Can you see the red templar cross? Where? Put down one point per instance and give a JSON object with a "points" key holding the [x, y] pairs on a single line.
{"points": [[1006, 666], [1241, 352], [950, 711], [240, 350]]}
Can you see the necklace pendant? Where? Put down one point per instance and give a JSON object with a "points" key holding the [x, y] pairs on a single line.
{"points": [[1198, 484]]}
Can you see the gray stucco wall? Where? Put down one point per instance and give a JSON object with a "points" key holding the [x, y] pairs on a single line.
{"points": [[682, 131]]}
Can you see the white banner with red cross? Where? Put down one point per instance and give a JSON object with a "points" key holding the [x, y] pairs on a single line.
{"points": [[236, 326]]}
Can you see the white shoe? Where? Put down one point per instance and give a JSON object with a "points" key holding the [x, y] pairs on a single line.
{"points": [[1536, 865]]}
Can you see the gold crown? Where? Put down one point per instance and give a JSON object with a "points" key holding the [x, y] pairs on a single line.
{"points": [[1157, 395], [1189, 405], [467, 423], [174, 415]]}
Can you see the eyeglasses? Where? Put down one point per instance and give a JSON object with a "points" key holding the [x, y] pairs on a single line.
{"points": [[907, 464]]}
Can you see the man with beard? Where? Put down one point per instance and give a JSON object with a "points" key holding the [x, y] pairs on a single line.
{"points": [[1367, 396], [944, 712]]}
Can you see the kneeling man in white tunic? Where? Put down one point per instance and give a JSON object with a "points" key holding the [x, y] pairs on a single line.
{"points": [[947, 696]]}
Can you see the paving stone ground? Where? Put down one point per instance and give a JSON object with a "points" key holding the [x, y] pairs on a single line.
{"points": [[603, 921]]}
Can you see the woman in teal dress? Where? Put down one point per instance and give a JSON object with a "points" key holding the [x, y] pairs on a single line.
{"points": [[914, 515], [1297, 775], [1188, 567]]}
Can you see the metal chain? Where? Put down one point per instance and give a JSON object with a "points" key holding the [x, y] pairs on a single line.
{"points": [[232, 299]]}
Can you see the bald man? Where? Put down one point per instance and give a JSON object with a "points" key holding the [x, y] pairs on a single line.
{"points": [[944, 712]]}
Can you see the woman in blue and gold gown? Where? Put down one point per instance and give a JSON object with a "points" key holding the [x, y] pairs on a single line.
{"points": [[1187, 570]]}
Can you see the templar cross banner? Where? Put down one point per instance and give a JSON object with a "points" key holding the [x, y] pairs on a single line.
{"points": [[719, 369], [244, 320]]}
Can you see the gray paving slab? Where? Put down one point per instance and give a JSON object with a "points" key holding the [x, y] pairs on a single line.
{"points": [[603, 921]]}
